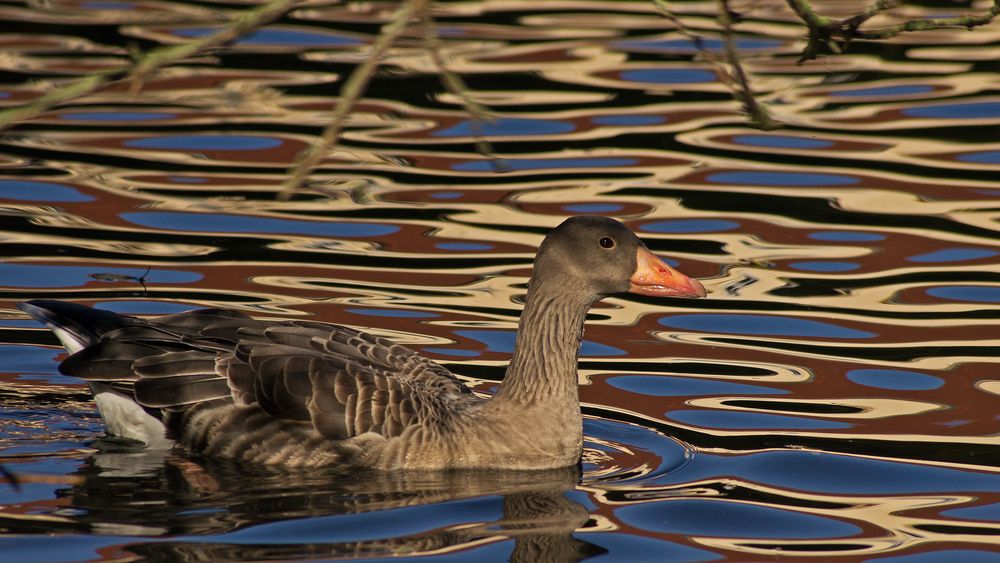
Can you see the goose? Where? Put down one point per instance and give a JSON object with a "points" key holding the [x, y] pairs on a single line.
{"points": [[300, 394]]}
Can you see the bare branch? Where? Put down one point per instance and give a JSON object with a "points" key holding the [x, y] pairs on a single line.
{"points": [[351, 92], [64, 93], [825, 32], [737, 79], [745, 93], [149, 63], [478, 113]]}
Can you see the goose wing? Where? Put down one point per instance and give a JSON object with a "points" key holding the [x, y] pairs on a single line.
{"points": [[341, 381]]}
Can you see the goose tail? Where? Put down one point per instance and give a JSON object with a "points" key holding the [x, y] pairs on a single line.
{"points": [[78, 328]]}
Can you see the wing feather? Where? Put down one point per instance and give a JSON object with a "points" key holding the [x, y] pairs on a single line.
{"points": [[337, 380], [107, 361], [180, 390], [174, 364]]}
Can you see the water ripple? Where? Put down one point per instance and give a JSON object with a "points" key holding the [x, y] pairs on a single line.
{"points": [[835, 395]]}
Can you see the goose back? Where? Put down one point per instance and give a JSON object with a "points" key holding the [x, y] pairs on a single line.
{"points": [[226, 384]]}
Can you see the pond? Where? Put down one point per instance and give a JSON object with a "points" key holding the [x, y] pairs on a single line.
{"points": [[837, 394]]}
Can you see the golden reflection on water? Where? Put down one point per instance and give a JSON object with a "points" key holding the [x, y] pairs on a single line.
{"points": [[858, 243]]}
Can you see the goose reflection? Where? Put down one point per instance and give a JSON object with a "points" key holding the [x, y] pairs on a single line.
{"points": [[229, 512]]}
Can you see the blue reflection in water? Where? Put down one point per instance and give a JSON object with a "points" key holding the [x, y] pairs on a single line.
{"points": [[739, 420], [942, 556], [688, 46], [28, 359], [825, 266], [975, 293], [986, 512], [763, 325], [205, 143], [668, 386], [846, 236], [394, 313], [222, 223], [116, 116], [975, 110], [469, 246], [45, 275], [957, 254], [668, 75], [897, 379], [823, 472], [725, 518], [901, 90], [689, 226], [543, 163], [633, 547], [187, 179], [448, 31], [446, 195], [670, 452], [506, 126], [146, 307], [782, 141], [628, 120], [30, 190], [49, 379], [27, 545], [984, 157], [20, 323], [502, 341], [593, 207], [107, 5], [277, 36], [781, 178]]}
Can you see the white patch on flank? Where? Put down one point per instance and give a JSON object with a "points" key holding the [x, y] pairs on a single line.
{"points": [[124, 417]]}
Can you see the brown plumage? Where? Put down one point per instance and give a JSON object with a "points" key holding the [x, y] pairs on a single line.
{"points": [[297, 393]]}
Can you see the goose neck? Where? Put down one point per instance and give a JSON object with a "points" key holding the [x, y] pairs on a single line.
{"points": [[543, 368]]}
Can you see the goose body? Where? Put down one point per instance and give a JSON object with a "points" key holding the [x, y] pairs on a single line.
{"points": [[222, 384]]}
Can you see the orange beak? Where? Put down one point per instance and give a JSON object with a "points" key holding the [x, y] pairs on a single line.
{"points": [[654, 277]]}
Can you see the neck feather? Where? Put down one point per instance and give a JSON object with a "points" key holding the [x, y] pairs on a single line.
{"points": [[543, 367]]}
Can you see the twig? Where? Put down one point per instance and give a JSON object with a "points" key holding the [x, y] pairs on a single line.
{"points": [[737, 80], [666, 12], [457, 87], [968, 21], [351, 92], [149, 63], [241, 24], [745, 93], [696, 40], [75, 89], [824, 31], [871, 11]]}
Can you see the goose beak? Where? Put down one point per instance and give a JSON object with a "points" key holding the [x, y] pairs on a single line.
{"points": [[654, 277]]}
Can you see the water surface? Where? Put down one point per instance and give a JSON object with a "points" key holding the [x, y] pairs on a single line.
{"points": [[836, 395]]}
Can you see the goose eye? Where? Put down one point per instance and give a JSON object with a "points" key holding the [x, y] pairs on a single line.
{"points": [[606, 242]]}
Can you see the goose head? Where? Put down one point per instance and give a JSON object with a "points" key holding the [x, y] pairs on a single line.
{"points": [[594, 257]]}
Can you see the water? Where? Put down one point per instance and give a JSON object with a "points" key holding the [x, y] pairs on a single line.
{"points": [[835, 395]]}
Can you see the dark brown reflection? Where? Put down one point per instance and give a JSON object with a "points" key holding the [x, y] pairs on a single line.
{"points": [[121, 491]]}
